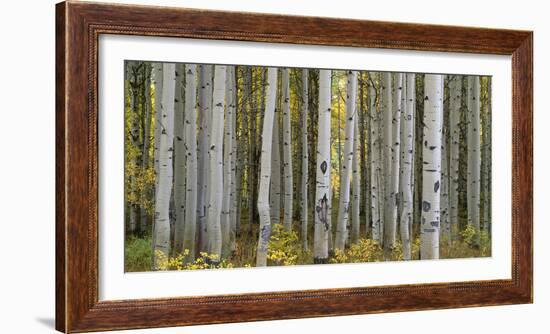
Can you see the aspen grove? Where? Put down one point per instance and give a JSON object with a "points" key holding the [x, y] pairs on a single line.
{"points": [[240, 166]]}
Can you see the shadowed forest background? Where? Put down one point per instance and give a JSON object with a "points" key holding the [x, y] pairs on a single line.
{"points": [[242, 166]]}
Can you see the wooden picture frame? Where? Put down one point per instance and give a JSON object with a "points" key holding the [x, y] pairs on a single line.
{"points": [[78, 26]]}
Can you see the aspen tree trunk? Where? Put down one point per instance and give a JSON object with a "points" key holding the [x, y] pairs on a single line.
{"points": [[147, 103], [431, 171], [190, 132], [227, 168], [392, 124], [455, 95], [287, 151], [179, 161], [305, 158], [356, 185], [364, 143], [251, 150], [275, 186], [345, 176], [445, 223], [375, 163], [233, 210], [161, 233], [407, 162], [265, 170], [205, 112], [389, 202], [215, 180], [131, 78], [322, 194], [474, 156], [486, 151], [157, 79]]}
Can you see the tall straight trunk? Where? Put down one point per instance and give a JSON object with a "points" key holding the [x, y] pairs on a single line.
{"points": [[474, 155], [356, 185], [455, 94], [131, 79], [215, 179], [407, 162], [392, 126], [386, 114], [345, 176], [205, 115], [265, 169], [227, 168], [322, 194], [431, 173], [233, 161], [445, 229], [179, 161], [363, 124], [157, 80], [161, 233], [287, 151], [275, 185], [305, 158], [251, 150], [246, 91], [147, 105], [190, 132], [486, 159], [375, 165]]}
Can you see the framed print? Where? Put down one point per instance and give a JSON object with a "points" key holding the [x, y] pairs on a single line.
{"points": [[222, 166]]}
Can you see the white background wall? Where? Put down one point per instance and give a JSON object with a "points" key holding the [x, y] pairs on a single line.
{"points": [[27, 145]]}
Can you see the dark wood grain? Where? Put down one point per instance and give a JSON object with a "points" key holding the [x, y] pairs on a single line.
{"points": [[78, 27]]}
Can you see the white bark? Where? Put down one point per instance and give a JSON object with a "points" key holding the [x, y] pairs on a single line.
{"points": [[445, 229], [191, 160], [161, 233], [215, 179], [305, 158], [179, 161], [157, 80], [356, 185], [474, 155], [275, 186], [205, 114], [407, 163], [287, 151], [345, 176], [455, 95], [391, 141], [375, 164], [265, 169], [322, 194], [227, 168], [431, 169]]}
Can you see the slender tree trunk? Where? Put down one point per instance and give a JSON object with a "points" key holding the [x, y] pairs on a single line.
{"points": [[445, 229], [265, 173], [179, 161], [234, 203], [227, 168], [356, 185], [251, 151], [131, 78], [486, 151], [158, 80], [205, 112], [455, 95], [431, 174], [407, 162], [215, 180], [474, 156], [275, 186], [287, 151], [147, 104], [305, 158], [191, 160], [161, 233], [375, 165], [345, 176], [391, 141], [322, 195]]}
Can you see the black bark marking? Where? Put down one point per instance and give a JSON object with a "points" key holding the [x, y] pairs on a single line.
{"points": [[436, 186], [323, 167], [426, 206], [322, 212], [435, 223]]}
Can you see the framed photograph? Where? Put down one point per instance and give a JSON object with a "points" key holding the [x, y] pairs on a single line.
{"points": [[223, 166]]}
